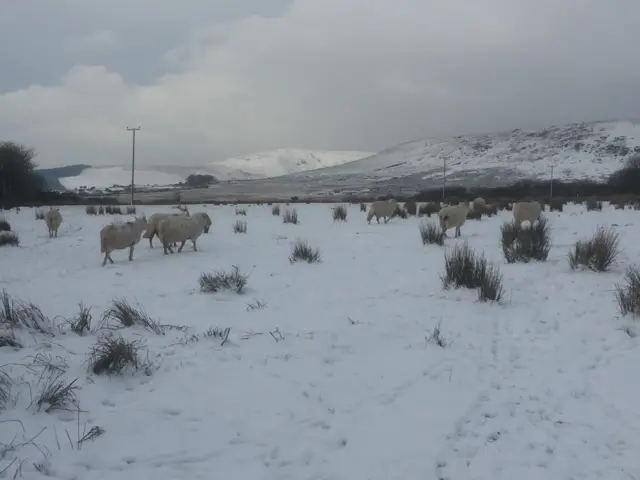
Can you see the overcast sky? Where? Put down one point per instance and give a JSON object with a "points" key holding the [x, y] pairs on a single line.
{"points": [[210, 79]]}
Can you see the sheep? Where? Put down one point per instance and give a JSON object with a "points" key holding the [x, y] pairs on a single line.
{"points": [[382, 209], [154, 221], [479, 205], [180, 229], [523, 211], [53, 219], [205, 219], [453, 216], [120, 236]]}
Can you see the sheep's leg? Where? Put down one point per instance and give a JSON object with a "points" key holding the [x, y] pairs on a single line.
{"points": [[194, 246], [458, 232], [386, 219], [151, 241], [377, 219], [131, 252], [181, 246], [104, 262]]}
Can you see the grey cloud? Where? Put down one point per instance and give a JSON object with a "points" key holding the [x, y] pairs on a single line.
{"points": [[41, 41], [361, 75]]}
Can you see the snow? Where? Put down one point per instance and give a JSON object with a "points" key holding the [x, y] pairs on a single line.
{"points": [[285, 161], [254, 166], [541, 387], [105, 177], [576, 151]]}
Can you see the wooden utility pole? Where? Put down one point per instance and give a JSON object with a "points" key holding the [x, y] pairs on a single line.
{"points": [[133, 159]]}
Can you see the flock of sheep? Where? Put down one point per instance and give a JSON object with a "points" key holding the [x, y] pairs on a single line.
{"points": [[454, 216], [170, 228]]}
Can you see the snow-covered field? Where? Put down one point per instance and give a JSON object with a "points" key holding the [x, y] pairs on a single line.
{"points": [[540, 387]]}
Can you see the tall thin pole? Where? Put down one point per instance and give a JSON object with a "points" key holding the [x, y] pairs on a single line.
{"points": [[444, 176], [551, 186], [133, 158]]}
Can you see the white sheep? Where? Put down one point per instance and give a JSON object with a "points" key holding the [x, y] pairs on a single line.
{"points": [[154, 222], [453, 216], [175, 229], [202, 216], [479, 205], [526, 211], [382, 209], [120, 236], [53, 219]]}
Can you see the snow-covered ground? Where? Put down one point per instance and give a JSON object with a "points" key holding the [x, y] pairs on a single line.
{"points": [[541, 387]]}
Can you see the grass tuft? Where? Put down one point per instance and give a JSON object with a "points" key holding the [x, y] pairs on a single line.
{"points": [[240, 226], [241, 211], [10, 239], [301, 251], [214, 282], [91, 210], [290, 216], [363, 207], [275, 210], [5, 226], [523, 244], [431, 234], [628, 295], [340, 213], [17, 314], [464, 268], [597, 253], [113, 354], [81, 323], [5, 390], [436, 338], [57, 394], [125, 315]]}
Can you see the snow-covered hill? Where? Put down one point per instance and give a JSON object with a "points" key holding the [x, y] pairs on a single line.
{"points": [[285, 161], [254, 166], [581, 150]]}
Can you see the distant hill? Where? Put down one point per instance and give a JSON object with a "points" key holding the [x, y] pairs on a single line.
{"points": [[52, 176], [587, 150], [255, 166]]}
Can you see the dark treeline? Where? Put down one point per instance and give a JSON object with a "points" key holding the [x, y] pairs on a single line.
{"points": [[21, 185]]}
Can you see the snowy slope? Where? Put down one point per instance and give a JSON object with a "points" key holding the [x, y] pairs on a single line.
{"points": [[254, 166], [339, 385], [581, 150], [289, 160]]}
